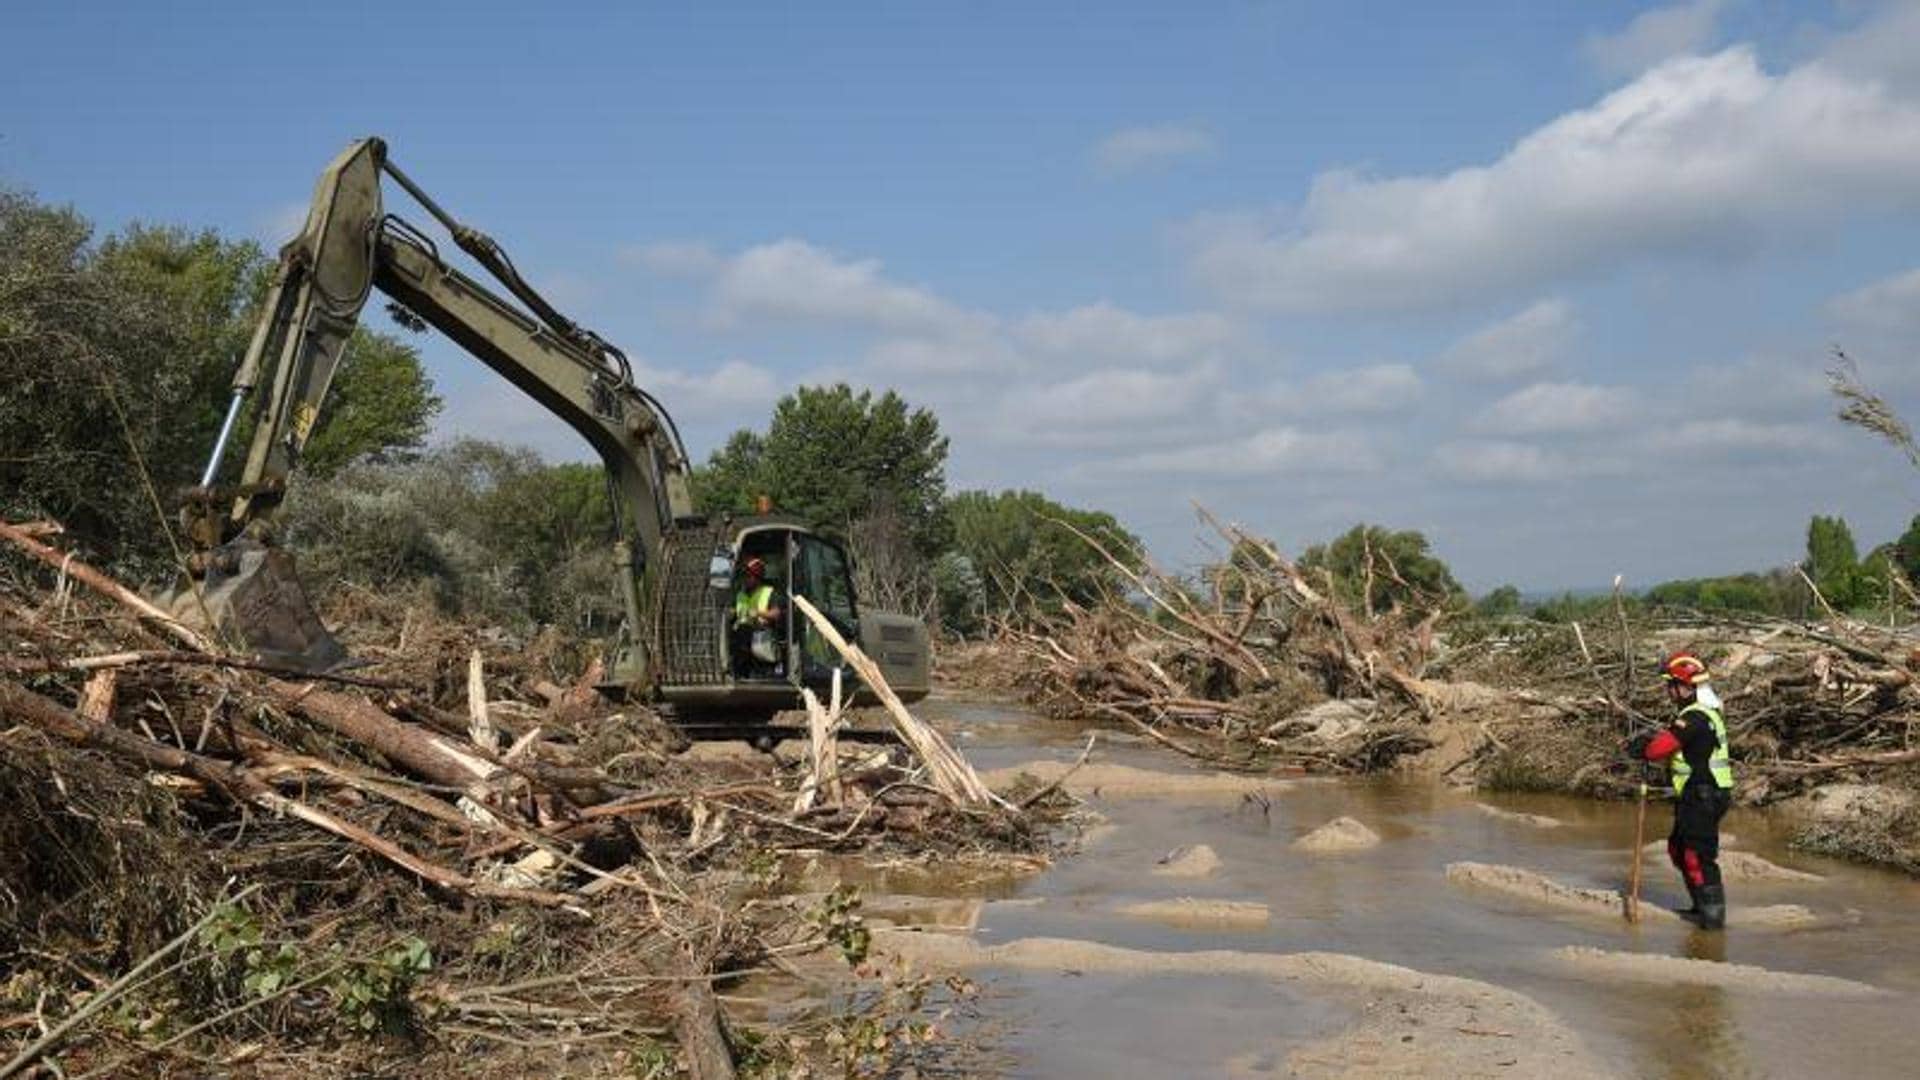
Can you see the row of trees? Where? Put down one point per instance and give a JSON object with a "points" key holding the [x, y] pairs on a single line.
{"points": [[115, 356]]}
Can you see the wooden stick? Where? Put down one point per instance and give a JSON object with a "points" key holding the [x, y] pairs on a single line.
{"points": [[137, 657], [107, 587], [479, 724], [1639, 842]]}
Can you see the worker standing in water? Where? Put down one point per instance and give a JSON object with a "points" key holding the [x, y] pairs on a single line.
{"points": [[1694, 747]]}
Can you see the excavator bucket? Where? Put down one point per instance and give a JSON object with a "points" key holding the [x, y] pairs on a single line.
{"points": [[251, 594]]}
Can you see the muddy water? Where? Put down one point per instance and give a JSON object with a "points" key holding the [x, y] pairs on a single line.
{"points": [[1393, 903]]}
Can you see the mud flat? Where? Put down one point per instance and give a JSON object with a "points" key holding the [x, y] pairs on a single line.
{"points": [[1407, 1022], [1192, 861], [1201, 914], [1746, 866], [1537, 821], [1342, 834], [1126, 781], [1607, 903], [1645, 967]]}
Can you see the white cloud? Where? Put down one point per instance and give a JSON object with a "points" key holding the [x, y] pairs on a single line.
{"points": [[1102, 331], [1136, 148], [1107, 401], [1516, 347], [1698, 155], [1891, 305], [1732, 436], [736, 388], [963, 355], [1655, 35], [1381, 388], [794, 281], [1272, 450], [1554, 408], [1885, 47], [1499, 460]]}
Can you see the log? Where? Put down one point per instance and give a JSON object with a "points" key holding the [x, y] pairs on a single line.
{"points": [[949, 771], [696, 1026], [106, 586], [419, 751]]}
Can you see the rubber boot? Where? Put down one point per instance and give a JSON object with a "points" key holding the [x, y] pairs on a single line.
{"points": [[1713, 907], [1692, 910]]}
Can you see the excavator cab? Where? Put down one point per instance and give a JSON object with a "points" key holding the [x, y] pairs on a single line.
{"points": [[711, 670]]}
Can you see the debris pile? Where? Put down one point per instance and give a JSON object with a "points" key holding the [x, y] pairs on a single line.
{"points": [[458, 846], [1258, 666]]}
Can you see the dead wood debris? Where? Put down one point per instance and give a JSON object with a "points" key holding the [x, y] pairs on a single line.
{"points": [[459, 844], [1256, 665]]}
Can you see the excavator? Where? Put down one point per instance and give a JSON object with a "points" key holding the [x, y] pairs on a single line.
{"points": [[674, 569]]}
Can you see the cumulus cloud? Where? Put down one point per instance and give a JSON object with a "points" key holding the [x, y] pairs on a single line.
{"points": [[969, 354], [1489, 460], [1136, 148], [1381, 388], [1655, 35], [735, 388], [1891, 305], [1106, 402], [1516, 347], [1557, 408], [794, 281], [1103, 331], [1698, 155], [1732, 436], [1271, 450]]}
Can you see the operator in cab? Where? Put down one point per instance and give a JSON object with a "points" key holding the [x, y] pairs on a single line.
{"points": [[756, 618]]}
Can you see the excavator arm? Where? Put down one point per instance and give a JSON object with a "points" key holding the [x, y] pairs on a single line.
{"points": [[349, 247]]}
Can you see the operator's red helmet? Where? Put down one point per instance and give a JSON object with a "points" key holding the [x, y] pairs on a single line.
{"points": [[756, 566], [1684, 667]]}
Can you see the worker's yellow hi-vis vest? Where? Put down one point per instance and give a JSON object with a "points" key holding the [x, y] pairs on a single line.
{"points": [[1720, 765], [749, 603]]}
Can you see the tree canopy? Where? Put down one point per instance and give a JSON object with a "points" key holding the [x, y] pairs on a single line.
{"points": [[834, 455], [1013, 558], [1375, 569], [115, 361]]}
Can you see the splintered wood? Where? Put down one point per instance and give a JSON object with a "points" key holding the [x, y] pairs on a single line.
{"points": [[947, 770]]}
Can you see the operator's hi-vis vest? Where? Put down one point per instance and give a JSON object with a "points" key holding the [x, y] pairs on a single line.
{"points": [[1720, 765], [749, 603]]}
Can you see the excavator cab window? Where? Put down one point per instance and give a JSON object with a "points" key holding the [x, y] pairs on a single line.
{"points": [[759, 649], [824, 576]]}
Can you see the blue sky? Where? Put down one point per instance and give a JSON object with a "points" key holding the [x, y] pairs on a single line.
{"points": [[1551, 282]]}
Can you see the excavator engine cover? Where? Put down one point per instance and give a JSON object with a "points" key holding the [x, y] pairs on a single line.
{"points": [[251, 592]]}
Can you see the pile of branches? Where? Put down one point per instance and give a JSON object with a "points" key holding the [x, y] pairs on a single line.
{"points": [[213, 862], [1237, 660], [1259, 665]]}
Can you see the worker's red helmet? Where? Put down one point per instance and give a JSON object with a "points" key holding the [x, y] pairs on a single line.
{"points": [[756, 566], [1684, 667]]}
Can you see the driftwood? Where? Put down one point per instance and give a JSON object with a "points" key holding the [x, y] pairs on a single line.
{"points": [[425, 777], [948, 771]]}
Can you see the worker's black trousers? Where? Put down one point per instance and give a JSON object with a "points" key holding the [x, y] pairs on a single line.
{"points": [[1694, 844]]}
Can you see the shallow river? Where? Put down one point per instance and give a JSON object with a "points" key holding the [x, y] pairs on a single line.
{"points": [[1393, 903]]}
